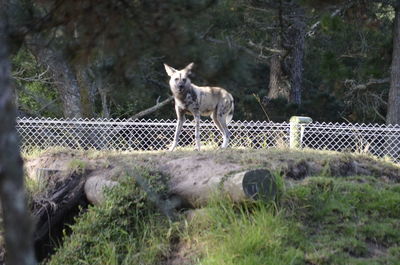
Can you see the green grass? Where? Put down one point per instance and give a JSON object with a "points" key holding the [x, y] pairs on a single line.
{"points": [[347, 220], [321, 220], [242, 234], [127, 229]]}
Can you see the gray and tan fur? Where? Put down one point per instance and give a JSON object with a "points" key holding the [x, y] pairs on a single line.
{"points": [[199, 100]]}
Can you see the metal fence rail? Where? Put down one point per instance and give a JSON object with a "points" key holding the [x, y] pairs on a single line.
{"points": [[116, 134]]}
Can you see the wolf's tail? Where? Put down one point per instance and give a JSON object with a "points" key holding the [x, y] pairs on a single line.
{"points": [[231, 109]]}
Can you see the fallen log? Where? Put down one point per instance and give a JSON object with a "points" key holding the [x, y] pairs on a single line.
{"points": [[94, 189], [258, 184]]}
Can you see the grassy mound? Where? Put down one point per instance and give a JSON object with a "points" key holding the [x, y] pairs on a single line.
{"points": [[316, 220], [321, 220], [127, 229]]}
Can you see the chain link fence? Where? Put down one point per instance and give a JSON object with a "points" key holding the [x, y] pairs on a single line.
{"points": [[117, 134], [378, 140]]}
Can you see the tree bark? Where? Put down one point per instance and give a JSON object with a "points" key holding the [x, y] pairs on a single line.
{"points": [[17, 222], [297, 33], [87, 97], [393, 113], [392, 142], [103, 92], [286, 70], [100, 86], [279, 87], [61, 71]]}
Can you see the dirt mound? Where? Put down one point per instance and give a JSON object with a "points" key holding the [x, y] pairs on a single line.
{"points": [[201, 166]]}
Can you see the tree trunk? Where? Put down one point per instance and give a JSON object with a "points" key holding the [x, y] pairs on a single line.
{"points": [[286, 72], [100, 85], [297, 33], [393, 114], [87, 97], [17, 223], [103, 91], [392, 142], [278, 85], [61, 71]]}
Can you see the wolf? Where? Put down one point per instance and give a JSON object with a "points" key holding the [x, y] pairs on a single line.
{"points": [[199, 101]]}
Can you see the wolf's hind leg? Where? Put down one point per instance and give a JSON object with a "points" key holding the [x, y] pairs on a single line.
{"points": [[197, 131], [214, 117], [220, 122], [226, 133]]}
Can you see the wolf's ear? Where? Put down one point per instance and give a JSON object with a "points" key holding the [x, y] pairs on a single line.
{"points": [[189, 67], [170, 71]]}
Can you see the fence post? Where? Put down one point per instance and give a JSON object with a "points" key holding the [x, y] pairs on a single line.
{"points": [[297, 124]]}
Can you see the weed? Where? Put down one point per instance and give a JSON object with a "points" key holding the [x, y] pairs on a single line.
{"points": [[77, 166]]}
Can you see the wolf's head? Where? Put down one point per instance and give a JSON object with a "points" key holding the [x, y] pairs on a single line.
{"points": [[179, 81]]}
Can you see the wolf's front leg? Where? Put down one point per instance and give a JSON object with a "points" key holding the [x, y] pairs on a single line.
{"points": [[177, 133], [179, 123], [197, 131]]}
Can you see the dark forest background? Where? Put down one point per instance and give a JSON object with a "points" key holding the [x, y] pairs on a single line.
{"points": [[330, 60]]}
